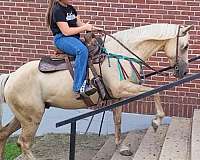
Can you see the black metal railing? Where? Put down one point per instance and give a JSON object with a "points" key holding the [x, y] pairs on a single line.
{"points": [[120, 103]]}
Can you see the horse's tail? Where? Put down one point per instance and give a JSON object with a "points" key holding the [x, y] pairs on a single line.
{"points": [[3, 80], [1, 114]]}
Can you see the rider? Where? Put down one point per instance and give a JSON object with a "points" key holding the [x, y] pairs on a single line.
{"points": [[66, 28]]}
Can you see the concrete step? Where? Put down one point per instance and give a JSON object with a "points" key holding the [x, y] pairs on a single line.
{"points": [[176, 145], [151, 144], [106, 152], [195, 142], [133, 140]]}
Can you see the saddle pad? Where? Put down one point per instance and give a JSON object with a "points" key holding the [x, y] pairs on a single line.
{"points": [[47, 64]]}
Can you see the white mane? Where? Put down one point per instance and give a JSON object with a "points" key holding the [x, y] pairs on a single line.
{"points": [[153, 32]]}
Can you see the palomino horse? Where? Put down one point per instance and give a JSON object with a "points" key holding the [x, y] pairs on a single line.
{"points": [[27, 89]]}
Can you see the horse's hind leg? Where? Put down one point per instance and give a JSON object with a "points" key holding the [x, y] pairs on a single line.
{"points": [[29, 117], [25, 140], [29, 124], [5, 132]]}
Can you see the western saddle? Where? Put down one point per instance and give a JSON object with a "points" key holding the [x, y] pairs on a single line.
{"points": [[61, 61]]}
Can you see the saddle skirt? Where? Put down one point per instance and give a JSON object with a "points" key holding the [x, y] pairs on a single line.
{"points": [[48, 64], [60, 60]]}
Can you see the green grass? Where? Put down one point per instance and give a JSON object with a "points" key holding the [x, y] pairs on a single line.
{"points": [[11, 151]]}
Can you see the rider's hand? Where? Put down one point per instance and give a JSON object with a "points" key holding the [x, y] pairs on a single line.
{"points": [[88, 26], [97, 28]]}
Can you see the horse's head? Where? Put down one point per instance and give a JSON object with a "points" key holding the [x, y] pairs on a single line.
{"points": [[176, 50]]}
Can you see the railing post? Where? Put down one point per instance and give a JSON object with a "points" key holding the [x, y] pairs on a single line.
{"points": [[72, 141], [101, 123]]}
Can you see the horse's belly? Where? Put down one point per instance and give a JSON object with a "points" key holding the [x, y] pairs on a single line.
{"points": [[66, 102], [57, 89]]}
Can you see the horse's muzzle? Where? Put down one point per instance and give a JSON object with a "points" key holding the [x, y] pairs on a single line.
{"points": [[181, 69]]}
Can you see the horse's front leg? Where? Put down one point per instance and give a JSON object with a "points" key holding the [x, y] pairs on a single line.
{"points": [[127, 88], [117, 116]]}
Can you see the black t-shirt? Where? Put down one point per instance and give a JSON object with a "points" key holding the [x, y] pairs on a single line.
{"points": [[63, 14]]}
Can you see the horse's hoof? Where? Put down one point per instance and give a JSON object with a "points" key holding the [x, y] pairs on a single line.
{"points": [[155, 126], [20, 157], [125, 151], [24, 157]]}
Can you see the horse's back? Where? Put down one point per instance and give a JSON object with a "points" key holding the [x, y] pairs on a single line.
{"points": [[29, 84]]}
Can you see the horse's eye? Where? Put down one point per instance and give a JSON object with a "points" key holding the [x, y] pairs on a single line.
{"points": [[186, 47]]}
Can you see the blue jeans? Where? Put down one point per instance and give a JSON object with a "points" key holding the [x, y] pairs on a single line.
{"points": [[73, 46]]}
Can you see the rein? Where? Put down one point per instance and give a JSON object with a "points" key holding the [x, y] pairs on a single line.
{"points": [[142, 61]]}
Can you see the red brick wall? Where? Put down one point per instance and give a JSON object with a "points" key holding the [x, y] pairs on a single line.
{"points": [[24, 37]]}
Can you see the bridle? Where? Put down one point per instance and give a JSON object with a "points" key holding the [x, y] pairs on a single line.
{"points": [[142, 61], [177, 42], [176, 66]]}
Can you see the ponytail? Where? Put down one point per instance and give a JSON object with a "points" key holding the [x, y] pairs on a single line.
{"points": [[51, 4]]}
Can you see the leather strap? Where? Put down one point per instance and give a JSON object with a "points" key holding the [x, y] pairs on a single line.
{"points": [[177, 43], [103, 93], [143, 62], [94, 72]]}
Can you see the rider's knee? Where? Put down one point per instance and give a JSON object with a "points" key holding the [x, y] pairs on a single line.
{"points": [[82, 51]]}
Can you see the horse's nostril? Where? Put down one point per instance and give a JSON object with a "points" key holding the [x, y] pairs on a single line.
{"points": [[185, 73]]}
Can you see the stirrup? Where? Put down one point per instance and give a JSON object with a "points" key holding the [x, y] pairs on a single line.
{"points": [[87, 90]]}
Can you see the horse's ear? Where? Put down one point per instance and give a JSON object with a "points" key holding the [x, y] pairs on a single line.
{"points": [[185, 30]]}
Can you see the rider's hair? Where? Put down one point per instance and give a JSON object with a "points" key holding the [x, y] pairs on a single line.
{"points": [[51, 4]]}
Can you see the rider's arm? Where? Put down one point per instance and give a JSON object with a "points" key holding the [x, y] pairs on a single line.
{"points": [[60, 19], [79, 22], [66, 30]]}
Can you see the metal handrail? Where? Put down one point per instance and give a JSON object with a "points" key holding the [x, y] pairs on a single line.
{"points": [[130, 99], [168, 68], [120, 103]]}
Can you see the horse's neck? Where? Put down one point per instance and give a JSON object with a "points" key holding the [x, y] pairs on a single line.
{"points": [[147, 48], [144, 49]]}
